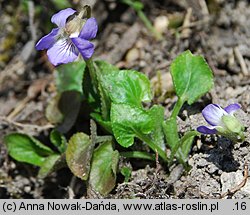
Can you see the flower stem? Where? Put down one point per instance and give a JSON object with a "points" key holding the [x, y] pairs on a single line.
{"points": [[152, 145], [188, 135], [93, 73], [149, 25], [171, 131], [177, 108], [138, 7], [96, 77]]}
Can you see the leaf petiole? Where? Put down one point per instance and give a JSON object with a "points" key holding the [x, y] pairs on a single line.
{"points": [[138, 155]]}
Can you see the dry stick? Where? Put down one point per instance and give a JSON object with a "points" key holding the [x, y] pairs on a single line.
{"points": [[186, 31], [33, 90], [31, 20], [25, 54], [204, 7], [239, 186], [241, 61], [20, 106], [195, 24], [157, 165], [21, 125]]}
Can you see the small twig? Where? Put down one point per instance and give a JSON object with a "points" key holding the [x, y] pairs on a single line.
{"points": [[241, 61], [20, 106], [38, 128], [186, 31], [157, 165], [194, 24], [239, 186], [31, 20], [204, 8]]}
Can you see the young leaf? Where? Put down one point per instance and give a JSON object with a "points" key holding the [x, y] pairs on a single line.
{"points": [[127, 86], [129, 122], [192, 76], [79, 154], [157, 114], [27, 149], [172, 137], [58, 140], [126, 172], [171, 132], [48, 165], [104, 164], [69, 77], [186, 142]]}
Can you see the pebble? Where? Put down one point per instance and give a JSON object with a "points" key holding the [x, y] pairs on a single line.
{"points": [[161, 23], [132, 55]]}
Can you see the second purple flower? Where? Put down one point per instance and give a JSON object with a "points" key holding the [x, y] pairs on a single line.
{"points": [[69, 39]]}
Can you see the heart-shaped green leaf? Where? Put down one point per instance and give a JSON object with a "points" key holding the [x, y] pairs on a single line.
{"points": [[127, 86], [192, 76], [69, 77], [102, 177], [129, 122], [79, 154], [27, 149], [105, 67]]}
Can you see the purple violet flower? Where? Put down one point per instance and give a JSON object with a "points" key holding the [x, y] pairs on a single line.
{"points": [[70, 38], [222, 121]]}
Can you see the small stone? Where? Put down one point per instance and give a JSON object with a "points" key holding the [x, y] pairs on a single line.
{"points": [[161, 24], [27, 189], [230, 179], [132, 55]]}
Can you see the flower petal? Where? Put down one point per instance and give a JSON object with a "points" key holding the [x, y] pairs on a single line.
{"points": [[213, 113], [60, 18], [232, 108], [89, 29], [85, 47], [206, 130], [63, 51], [47, 41]]}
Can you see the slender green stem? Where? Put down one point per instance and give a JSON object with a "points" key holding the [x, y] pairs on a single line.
{"points": [[148, 24], [138, 154], [180, 143], [138, 7], [171, 131], [153, 146], [188, 135], [92, 72], [177, 108], [96, 78]]}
